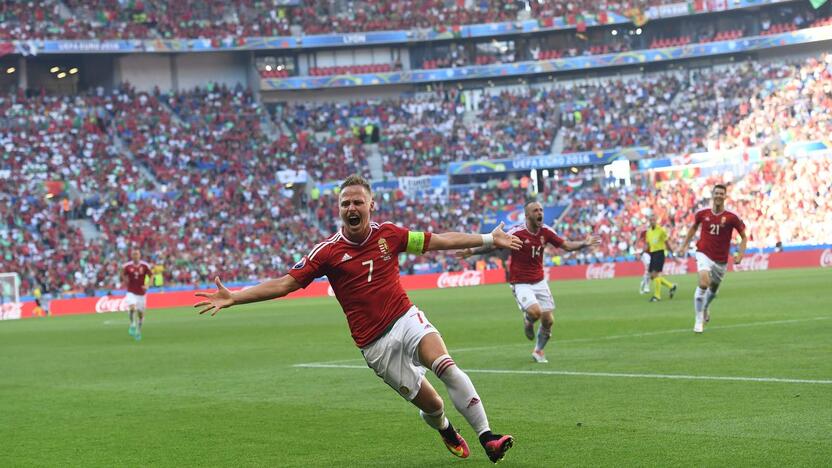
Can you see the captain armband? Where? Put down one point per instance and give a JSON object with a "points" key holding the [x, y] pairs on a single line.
{"points": [[415, 242]]}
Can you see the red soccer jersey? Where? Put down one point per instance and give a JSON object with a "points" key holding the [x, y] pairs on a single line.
{"points": [[364, 277], [715, 236], [135, 273], [526, 264]]}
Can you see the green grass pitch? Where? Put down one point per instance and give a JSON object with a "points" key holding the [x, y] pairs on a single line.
{"points": [[227, 391]]}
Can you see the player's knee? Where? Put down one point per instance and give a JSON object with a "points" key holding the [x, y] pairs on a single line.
{"points": [[704, 281], [547, 320], [534, 311]]}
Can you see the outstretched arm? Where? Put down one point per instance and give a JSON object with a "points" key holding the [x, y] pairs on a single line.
{"points": [[269, 289], [465, 253], [683, 249], [589, 241], [460, 240]]}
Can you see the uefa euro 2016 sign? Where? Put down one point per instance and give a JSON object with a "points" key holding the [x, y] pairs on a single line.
{"points": [[546, 161]]}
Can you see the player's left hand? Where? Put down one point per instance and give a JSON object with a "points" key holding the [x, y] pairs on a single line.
{"points": [[592, 240], [505, 241], [737, 258], [215, 301]]}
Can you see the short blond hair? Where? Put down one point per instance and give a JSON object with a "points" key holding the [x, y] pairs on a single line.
{"points": [[356, 179]]}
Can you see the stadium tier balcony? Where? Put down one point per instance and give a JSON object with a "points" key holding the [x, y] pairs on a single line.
{"points": [[351, 69], [779, 28]]}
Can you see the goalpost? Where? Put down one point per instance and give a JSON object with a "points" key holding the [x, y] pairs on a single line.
{"points": [[9, 288]]}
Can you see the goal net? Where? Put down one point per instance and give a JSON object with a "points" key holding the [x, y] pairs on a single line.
{"points": [[9, 288]]}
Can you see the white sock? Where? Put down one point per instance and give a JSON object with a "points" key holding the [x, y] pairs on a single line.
{"points": [[462, 392], [436, 420], [645, 282], [132, 316], [699, 304], [543, 335]]}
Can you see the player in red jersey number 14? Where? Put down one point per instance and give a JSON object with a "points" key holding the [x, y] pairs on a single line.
{"points": [[397, 340]]}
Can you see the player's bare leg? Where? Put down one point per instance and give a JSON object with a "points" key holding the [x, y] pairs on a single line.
{"points": [[530, 316], [543, 335], [699, 301], [131, 313], [434, 354], [432, 409]]}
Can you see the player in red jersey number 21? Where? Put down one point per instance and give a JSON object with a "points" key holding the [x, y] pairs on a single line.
{"points": [[718, 225], [395, 337]]}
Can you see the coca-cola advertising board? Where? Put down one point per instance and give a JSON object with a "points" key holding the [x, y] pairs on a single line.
{"points": [[598, 271]]}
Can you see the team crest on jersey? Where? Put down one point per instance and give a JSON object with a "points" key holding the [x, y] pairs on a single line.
{"points": [[722, 221], [300, 264], [541, 240], [707, 218], [385, 250]]}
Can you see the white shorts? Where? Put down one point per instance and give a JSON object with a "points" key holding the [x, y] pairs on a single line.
{"points": [[527, 294], [394, 356], [645, 259], [717, 270], [135, 300]]}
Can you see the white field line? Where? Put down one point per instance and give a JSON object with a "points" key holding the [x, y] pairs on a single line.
{"points": [[605, 374], [556, 342]]}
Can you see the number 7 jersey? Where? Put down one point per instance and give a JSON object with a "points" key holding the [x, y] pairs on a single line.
{"points": [[715, 235], [364, 276]]}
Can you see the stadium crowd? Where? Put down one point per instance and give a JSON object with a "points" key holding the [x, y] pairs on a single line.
{"points": [[221, 19], [198, 188]]}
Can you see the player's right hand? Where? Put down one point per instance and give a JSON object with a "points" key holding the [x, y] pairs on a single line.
{"points": [[463, 254], [505, 241], [215, 301]]}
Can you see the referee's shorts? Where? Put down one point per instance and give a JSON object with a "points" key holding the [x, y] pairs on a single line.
{"points": [[656, 262]]}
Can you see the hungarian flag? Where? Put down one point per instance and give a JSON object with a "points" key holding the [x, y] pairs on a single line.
{"points": [[546, 22], [581, 24], [6, 48]]}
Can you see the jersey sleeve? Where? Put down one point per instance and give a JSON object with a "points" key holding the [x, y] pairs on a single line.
{"points": [[311, 266], [698, 217], [553, 238]]}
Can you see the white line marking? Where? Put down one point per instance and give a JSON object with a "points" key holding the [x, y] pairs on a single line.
{"points": [[637, 335], [604, 374], [579, 340]]}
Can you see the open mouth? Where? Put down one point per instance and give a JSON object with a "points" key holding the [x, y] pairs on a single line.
{"points": [[354, 220], [540, 219]]}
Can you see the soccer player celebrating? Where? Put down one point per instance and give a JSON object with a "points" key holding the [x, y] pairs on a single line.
{"points": [[657, 243], [395, 337], [133, 275], [531, 290], [712, 251]]}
